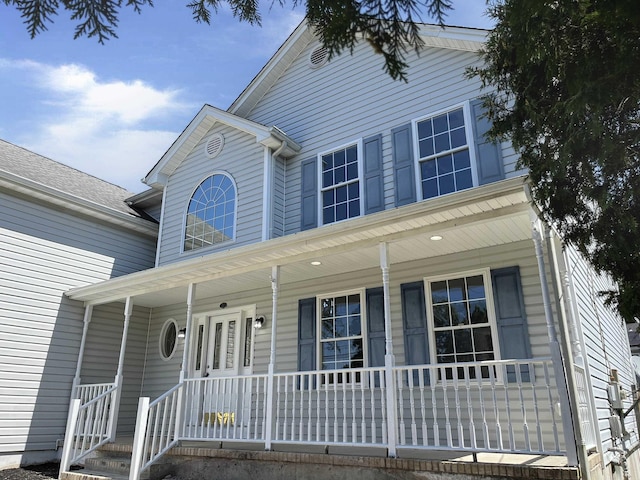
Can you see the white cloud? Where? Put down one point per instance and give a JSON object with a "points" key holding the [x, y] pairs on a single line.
{"points": [[109, 128]]}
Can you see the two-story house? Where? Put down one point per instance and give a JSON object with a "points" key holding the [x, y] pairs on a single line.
{"points": [[345, 261]]}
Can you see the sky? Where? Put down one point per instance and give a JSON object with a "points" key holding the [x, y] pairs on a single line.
{"points": [[112, 110]]}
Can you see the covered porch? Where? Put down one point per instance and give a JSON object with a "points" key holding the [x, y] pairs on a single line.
{"points": [[501, 405]]}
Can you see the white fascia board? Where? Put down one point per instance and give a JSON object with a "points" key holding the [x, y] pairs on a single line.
{"points": [[173, 274], [271, 137], [455, 38], [65, 200]]}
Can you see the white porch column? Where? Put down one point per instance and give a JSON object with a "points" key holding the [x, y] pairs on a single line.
{"points": [[191, 296], [115, 406], [389, 358], [275, 286], [88, 310], [556, 355]]}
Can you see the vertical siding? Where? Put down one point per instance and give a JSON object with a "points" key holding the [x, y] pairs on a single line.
{"points": [[605, 342], [351, 97], [242, 158], [44, 252]]}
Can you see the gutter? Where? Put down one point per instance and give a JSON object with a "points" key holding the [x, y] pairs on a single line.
{"points": [[77, 204]]}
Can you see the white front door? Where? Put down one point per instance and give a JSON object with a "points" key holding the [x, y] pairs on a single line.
{"points": [[223, 355]]}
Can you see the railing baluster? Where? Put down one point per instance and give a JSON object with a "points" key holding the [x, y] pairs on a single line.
{"points": [[399, 385], [447, 422], [505, 378], [423, 407], [534, 393], [485, 427], [412, 406], [344, 407], [472, 425], [354, 423], [433, 380], [456, 390], [384, 384], [335, 407], [372, 397]]}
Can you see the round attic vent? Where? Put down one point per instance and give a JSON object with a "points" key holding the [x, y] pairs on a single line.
{"points": [[214, 145], [318, 57]]}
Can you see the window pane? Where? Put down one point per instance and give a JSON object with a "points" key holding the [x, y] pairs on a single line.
{"points": [[442, 142], [341, 327], [328, 215], [457, 290], [354, 325], [426, 147], [445, 164], [327, 307], [425, 129], [352, 154], [459, 314], [458, 138], [352, 171], [439, 292], [463, 341], [354, 304], [339, 175], [464, 180], [482, 339], [440, 124], [341, 194], [341, 211], [475, 287], [428, 169], [478, 310], [353, 190], [327, 178], [339, 158], [327, 329], [354, 208], [444, 342], [356, 352], [461, 160], [430, 188], [446, 184], [456, 118], [441, 316]]}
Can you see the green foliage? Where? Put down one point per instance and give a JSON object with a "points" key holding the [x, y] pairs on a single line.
{"points": [[568, 97], [388, 25]]}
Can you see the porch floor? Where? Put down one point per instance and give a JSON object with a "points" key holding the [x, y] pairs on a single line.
{"points": [[504, 465]]}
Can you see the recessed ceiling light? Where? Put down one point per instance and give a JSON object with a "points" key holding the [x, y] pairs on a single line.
{"points": [[436, 237], [315, 263]]}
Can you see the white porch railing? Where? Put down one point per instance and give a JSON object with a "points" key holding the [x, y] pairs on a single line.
{"points": [[587, 428], [488, 406], [498, 406], [90, 422]]}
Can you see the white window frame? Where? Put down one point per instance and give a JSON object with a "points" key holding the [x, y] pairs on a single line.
{"points": [[469, 129], [161, 339], [363, 325], [491, 313], [359, 148], [186, 212]]}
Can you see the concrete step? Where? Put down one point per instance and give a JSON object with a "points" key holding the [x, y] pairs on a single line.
{"points": [[91, 475], [109, 464]]}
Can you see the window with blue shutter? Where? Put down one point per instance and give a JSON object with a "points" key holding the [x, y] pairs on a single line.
{"points": [[403, 165], [373, 175], [309, 194]]}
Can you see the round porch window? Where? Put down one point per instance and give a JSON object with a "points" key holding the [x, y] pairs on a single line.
{"points": [[168, 339]]}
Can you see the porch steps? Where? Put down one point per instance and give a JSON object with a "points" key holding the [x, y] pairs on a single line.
{"points": [[113, 462]]}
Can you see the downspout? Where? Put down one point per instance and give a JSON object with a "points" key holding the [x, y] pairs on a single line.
{"points": [[561, 300], [161, 226], [554, 346]]}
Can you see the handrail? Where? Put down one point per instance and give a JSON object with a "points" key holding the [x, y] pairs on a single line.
{"points": [[157, 429], [88, 425]]}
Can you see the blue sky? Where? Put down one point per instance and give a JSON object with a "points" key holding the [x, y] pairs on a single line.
{"points": [[112, 110]]}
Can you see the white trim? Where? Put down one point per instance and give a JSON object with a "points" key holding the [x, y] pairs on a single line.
{"points": [[161, 339], [186, 211], [267, 190], [359, 149], [491, 316], [161, 225], [468, 126], [363, 323]]}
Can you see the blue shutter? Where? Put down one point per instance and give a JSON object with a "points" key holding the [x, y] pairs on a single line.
{"points": [[306, 334], [513, 333], [488, 153], [309, 194], [414, 324], [373, 181], [403, 165], [375, 326]]}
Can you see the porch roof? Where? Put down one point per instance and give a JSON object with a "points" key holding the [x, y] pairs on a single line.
{"points": [[489, 215]]}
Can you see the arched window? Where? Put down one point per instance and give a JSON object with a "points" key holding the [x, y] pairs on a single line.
{"points": [[211, 213]]}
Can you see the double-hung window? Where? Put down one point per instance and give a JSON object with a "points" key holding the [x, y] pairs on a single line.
{"points": [[463, 327], [340, 184], [341, 331], [444, 157]]}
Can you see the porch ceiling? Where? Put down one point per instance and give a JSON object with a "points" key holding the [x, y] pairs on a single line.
{"points": [[491, 215]]}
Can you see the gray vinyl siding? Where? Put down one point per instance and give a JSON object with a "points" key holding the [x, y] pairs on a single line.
{"points": [[351, 98], [241, 158], [161, 375], [605, 342], [43, 253], [102, 349]]}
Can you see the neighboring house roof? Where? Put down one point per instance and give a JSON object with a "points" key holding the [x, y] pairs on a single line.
{"points": [[454, 38], [40, 177], [206, 118]]}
